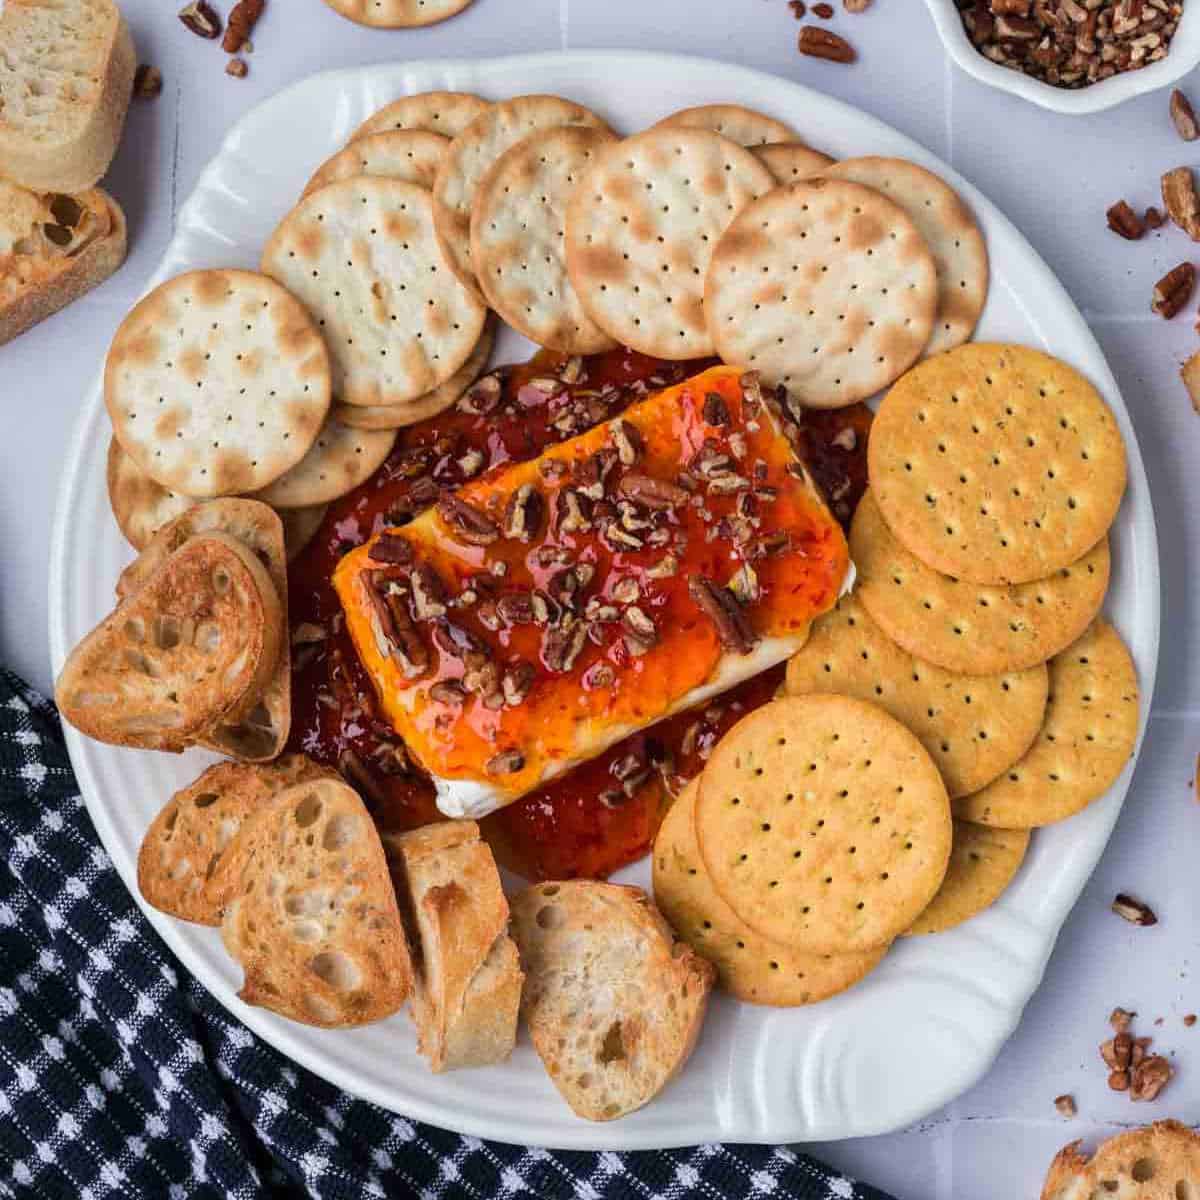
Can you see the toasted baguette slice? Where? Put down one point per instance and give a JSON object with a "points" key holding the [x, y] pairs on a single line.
{"points": [[190, 650], [614, 1004], [53, 249], [467, 983], [66, 76], [313, 917], [179, 864], [1157, 1162], [261, 732]]}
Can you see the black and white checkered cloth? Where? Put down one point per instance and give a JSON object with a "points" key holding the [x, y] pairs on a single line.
{"points": [[120, 1077]]}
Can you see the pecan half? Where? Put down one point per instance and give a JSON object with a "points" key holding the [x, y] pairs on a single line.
{"points": [[715, 410], [524, 512], [722, 607], [1174, 290], [1124, 221], [242, 19], [1181, 202], [200, 18], [654, 493], [823, 10], [506, 762], [469, 523], [1183, 118], [388, 548], [820, 43], [1132, 910], [396, 636]]}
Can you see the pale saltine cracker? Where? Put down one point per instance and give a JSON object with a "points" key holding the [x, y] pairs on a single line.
{"points": [[397, 14], [340, 459], [996, 463], [517, 228], [471, 155], [790, 162], [217, 382], [950, 231], [361, 254], [447, 113], [746, 126], [1085, 741], [409, 154], [824, 286], [973, 726], [140, 506], [641, 227], [970, 627]]}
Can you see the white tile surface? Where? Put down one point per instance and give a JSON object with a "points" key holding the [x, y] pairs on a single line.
{"points": [[1054, 176]]}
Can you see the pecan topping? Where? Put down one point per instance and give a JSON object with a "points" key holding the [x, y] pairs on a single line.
{"points": [[562, 645], [1117, 1052], [628, 440], [1149, 1077], [468, 522], [593, 473], [507, 762], [744, 584], [566, 586], [388, 548], [537, 391], [448, 691], [1174, 290], [1133, 911], [429, 593], [665, 568], [823, 10], [655, 493], [715, 411], [483, 396], [237, 67], [1153, 219], [626, 590], [573, 511], [1181, 202], [545, 610], [721, 607], [200, 18], [460, 643], [1183, 117], [471, 463], [396, 635], [641, 634], [242, 19], [1120, 1019], [600, 675], [147, 82], [516, 682], [516, 608], [618, 539], [524, 512], [1065, 1105]]}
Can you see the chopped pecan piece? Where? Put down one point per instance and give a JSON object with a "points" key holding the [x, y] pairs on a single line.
{"points": [[147, 82], [429, 593], [458, 642], [820, 43], [641, 634], [523, 513], [573, 511], [1011, 8], [823, 10], [628, 440], [1065, 1105], [722, 607], [562, 645], [1183, 118], [626, 590], [1124, 221], [665, 568], [468, 522], [516, 682], [1118, 1081], [448, 691], [593, 473], [572, 370], [1152, 218], [1117, 1052], [715, 410], [507, 762], [483, 396], [1174, 290], [1149, 1077], [1181, 202], [1132, 910], [388, 548], [237, 67], [1120, 1019], [516, 608]]}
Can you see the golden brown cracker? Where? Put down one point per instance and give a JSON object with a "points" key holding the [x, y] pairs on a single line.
{"points": [[746, 126]]}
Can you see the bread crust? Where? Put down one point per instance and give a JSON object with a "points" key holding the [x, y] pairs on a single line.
{"points": [[88, 269]]}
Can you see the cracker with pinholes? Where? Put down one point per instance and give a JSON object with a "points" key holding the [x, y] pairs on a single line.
{"points": [[217, 382], [412, 155], [996, 463], [971, 627], [340, 459], [983, 862], [824, 286], [790, 162], [641, 227], [471, 155], [950, 231], [517, 226], [823, 823], [1088, 734], [141, 506], [396, 416], [447, 113], [397, 14], [361, 254], [746, 126], [974, 726], [751, 967]]}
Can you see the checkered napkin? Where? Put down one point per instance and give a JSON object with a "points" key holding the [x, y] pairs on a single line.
{"points": [[121, 1077]]}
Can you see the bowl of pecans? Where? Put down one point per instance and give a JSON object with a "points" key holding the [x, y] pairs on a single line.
{"points": [[1071, 56]]}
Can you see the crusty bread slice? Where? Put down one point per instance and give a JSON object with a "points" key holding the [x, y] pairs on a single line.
{"points": [[53, 249], [191, 649], [614, 1004], [179, 863], [66, 77], [1156, 1162], [312, 918], [261, 732], [467, 980]]}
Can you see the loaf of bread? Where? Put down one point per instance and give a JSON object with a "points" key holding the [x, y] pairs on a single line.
{"points": [[54, 247], [66, 77]]}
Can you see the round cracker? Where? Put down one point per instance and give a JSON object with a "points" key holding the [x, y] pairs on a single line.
{"points": [[791, 162], [447, 113], [141, 506], [300, 526], [749, 966], [640, 229], [746, 126], [996, 463], [973, 726], [396, 416], [341, 458], [983, 862], [361, 254], [470, 156], [397, 14], [409, 154], [1088, 734], [971, 628], [217, 382], [959, 251], [825, 287], [517, 228], [823, 824]]}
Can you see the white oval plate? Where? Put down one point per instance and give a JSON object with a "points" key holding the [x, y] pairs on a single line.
{"points": [[930, 1020]]}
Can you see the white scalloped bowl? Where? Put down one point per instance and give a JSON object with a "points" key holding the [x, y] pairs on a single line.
{"points": [[1183, 55]]}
